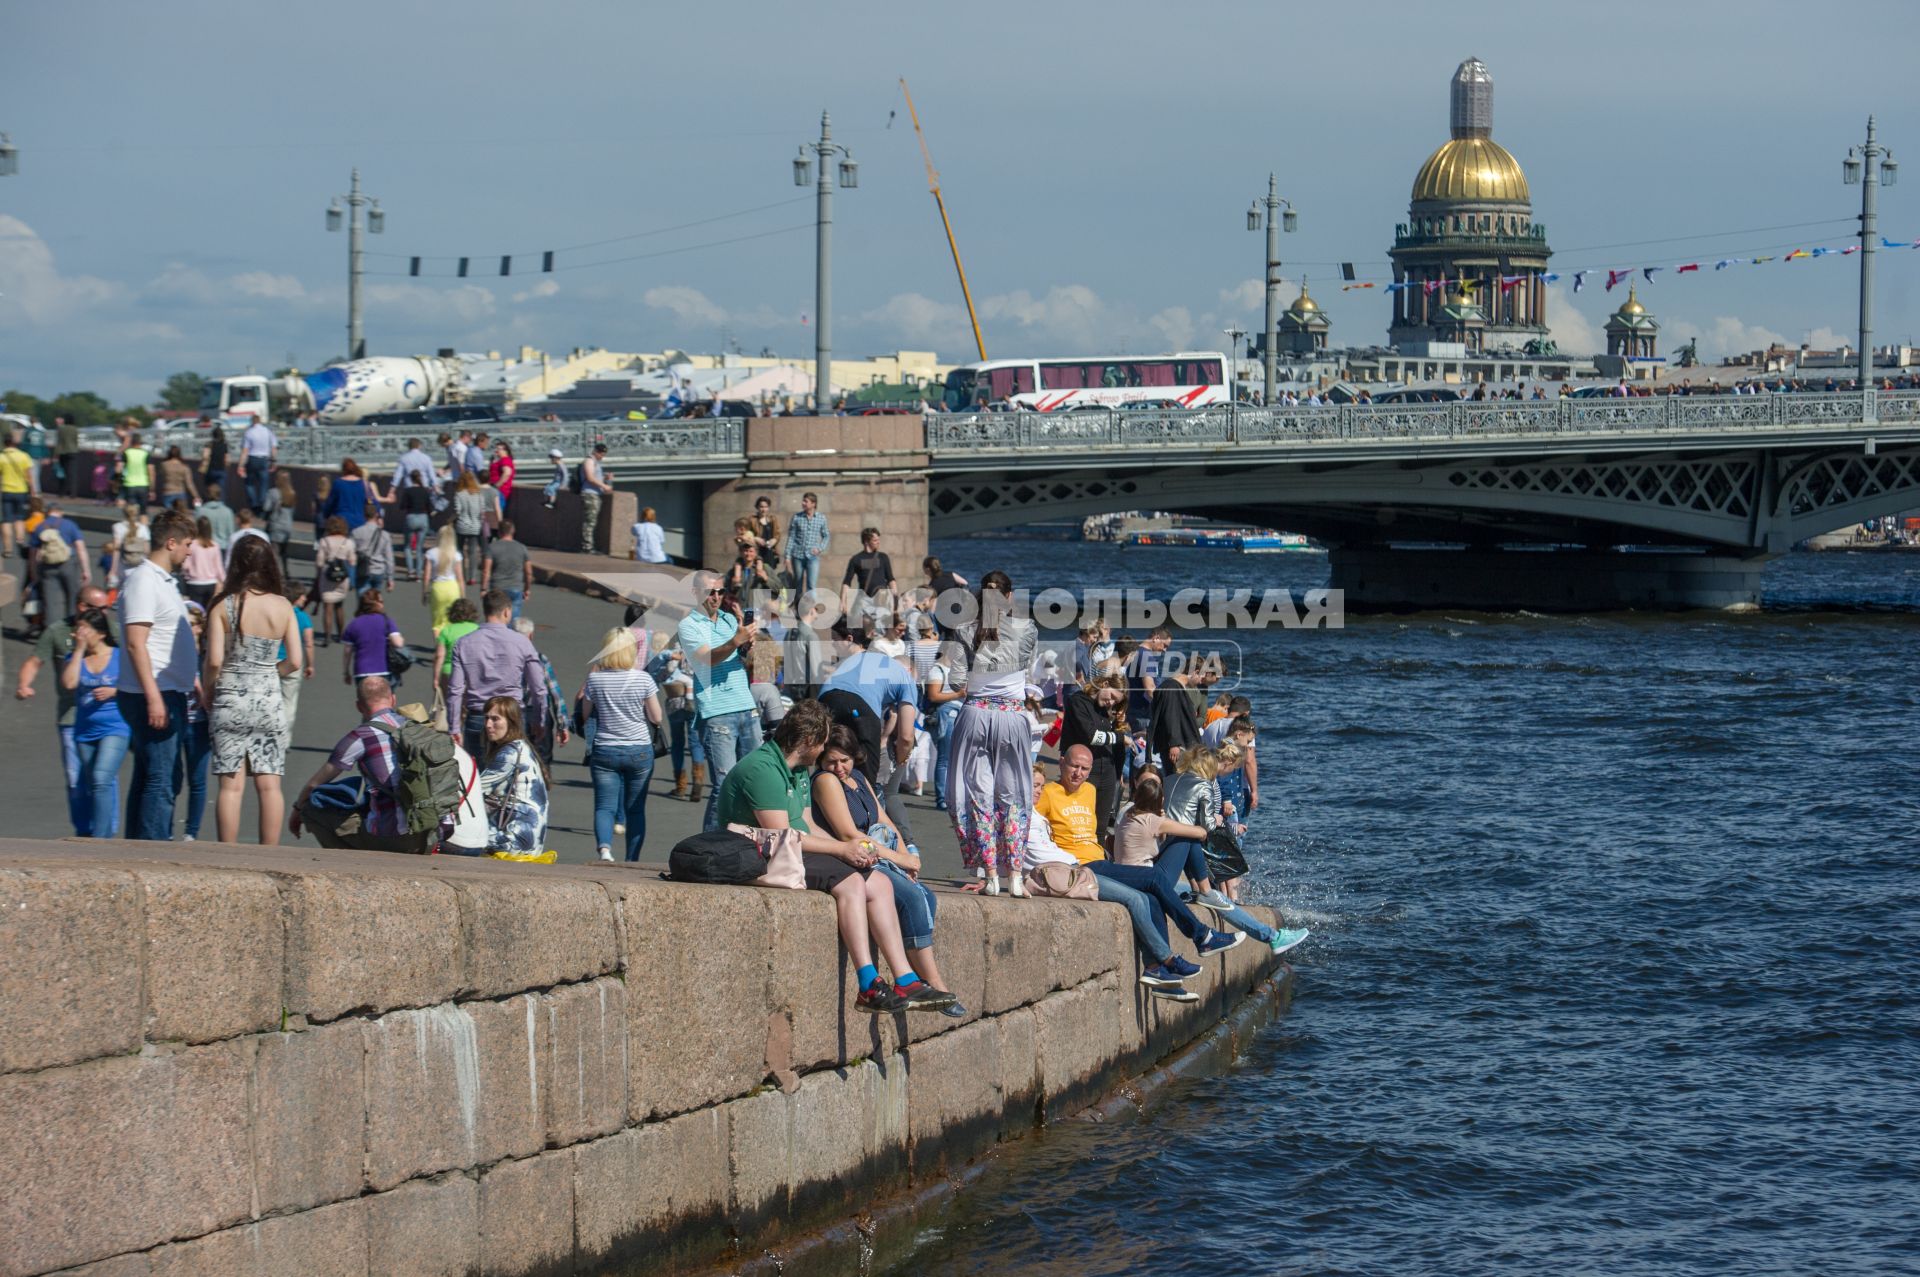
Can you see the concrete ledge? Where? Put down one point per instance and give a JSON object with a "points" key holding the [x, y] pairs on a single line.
{"points": [[222, 1059]]}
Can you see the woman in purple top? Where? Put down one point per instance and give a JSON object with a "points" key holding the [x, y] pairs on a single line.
{"points": [[369, 638]]}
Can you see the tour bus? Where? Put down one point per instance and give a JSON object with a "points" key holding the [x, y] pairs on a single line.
{"points": [[1190, 379]]}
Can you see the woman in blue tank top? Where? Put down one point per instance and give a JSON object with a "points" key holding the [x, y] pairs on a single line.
{"points": [[100, 735]]}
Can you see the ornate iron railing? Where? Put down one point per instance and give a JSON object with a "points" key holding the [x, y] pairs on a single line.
{"points": [[716, 438], [626, 440], [1127, 429]]}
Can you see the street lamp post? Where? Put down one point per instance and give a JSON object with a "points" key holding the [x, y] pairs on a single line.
{"points": [[1874, 163], [375, 221], [9, 156], [1275, 220], [824, 150], [1233, 361]]}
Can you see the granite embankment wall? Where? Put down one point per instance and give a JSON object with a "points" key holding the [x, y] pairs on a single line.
{"points": [[231, 1060]]}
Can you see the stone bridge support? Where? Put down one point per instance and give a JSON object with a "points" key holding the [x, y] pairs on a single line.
{"points": [[866, 472]]}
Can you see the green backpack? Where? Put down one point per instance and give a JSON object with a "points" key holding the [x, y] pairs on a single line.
{"points": [[427, 775]]}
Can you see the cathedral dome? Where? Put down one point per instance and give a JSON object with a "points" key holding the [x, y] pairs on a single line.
{"points": [[1471, 170]]}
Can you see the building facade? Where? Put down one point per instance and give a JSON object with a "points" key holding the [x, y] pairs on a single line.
{"points": [[1470, 230]]}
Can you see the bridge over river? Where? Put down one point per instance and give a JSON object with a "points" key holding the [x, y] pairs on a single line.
{"points": [[1569, 503]]}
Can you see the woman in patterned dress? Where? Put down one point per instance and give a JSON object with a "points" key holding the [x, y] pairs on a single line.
{"points": [[990, 772], [513, 781], [247, 625]]}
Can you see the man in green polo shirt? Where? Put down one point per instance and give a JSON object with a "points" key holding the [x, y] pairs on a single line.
{"points": [[771, 788]]}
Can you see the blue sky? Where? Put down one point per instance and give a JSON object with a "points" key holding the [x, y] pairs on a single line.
{"points": [[1097, 158]]}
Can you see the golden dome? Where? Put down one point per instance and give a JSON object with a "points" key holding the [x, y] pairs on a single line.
{"points": [[1471, 170], [1632, 305], [1305, 303]]}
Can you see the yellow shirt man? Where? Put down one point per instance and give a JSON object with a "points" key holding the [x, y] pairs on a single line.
{"points": [[1072, 817], [16, 472]]}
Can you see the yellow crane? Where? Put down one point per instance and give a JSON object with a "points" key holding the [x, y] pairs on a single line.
{"points": [[933, 185]]}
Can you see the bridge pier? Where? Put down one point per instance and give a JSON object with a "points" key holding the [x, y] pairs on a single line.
{"points": [[1388, 578], [866, 472]]}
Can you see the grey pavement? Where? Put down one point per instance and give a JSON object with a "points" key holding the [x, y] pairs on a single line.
{"points": [[570, 627]]}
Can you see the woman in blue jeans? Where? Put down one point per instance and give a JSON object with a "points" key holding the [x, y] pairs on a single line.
{"points": [[943, 695], [845, 806], [100, 734], [623, 704]]}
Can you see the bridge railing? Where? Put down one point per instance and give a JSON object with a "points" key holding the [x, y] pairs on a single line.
{"points": [[693, 440], [1233, 424]]}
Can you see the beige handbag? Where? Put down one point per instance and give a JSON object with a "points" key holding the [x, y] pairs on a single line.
{"points": [[1064, 882], [781, 848]]}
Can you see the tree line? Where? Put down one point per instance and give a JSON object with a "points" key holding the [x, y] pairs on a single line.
{"points": [[181, 393]]}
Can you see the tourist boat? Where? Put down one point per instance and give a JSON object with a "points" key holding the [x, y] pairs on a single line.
{"points": [[1245, 540]]}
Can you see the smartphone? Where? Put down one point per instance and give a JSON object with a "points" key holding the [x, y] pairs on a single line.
{"points": [[746, 616]]}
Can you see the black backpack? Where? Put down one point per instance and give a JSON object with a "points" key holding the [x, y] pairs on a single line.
{"points": [[718, 855], [577, 481]]}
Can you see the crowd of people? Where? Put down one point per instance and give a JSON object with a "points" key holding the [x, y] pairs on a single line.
{"points": [[189, 651]]}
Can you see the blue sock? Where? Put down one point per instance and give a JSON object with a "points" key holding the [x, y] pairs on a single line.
{"points": [[906, 981], [867, 975]]}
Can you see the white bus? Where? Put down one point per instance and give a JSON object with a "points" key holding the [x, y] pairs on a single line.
{"points": [[1189, 379]]}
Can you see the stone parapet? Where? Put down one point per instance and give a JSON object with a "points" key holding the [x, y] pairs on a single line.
{"points": [[217, 1059]]}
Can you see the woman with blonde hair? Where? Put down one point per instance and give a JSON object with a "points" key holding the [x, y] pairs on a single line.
{"points": [[446, 578], [1193, 799], [624, 703]]}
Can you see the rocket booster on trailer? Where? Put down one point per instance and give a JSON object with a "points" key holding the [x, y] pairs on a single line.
{"points": [[342, 394]]}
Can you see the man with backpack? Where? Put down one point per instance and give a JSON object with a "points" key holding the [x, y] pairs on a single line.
{"points": [[415, 787], [60, 564]]}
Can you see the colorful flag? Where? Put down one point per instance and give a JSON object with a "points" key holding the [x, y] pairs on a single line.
{"points": [[1796, 253], [1725, 262], [1681, 270], [1551, 277], [1821, 252], [1394, 288], [1432, 285], [1849, 252], [1579, 280], [1648, 271], [1887, 243], [1758, 260], [1615, 276], [1510, 282], [1347, 288]]}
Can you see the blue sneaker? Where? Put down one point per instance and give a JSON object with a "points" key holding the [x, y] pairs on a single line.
{"points": [[1220, 941], [1160, 977], [1285, 939], [1181, 967]]}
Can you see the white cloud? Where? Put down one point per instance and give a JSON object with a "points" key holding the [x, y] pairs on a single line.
{"points": [[545, 288], [1176, 325], [32, 289], [425, 304], [1250, 295], [1571, 330], [688, 305], [1722, 336]]}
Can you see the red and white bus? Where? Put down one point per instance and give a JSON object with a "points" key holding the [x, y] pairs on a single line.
{"points": [[1189, 379]]}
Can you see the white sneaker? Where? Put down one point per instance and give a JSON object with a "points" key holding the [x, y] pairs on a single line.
{"points": [[993, 886], [606, 853], [1018, 889]]}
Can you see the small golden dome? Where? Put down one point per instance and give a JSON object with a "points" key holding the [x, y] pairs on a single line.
{"points": [[1632, 305], [1471, 170], [1305, 303]]}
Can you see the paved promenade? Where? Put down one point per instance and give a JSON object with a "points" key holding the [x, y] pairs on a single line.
{"points": [[570, 620]]}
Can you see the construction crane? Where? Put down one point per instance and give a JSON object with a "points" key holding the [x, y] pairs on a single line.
{"points": [[933, 185]]}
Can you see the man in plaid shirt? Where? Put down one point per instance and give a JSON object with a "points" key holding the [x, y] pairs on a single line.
{"points": [[380, 825], [806, 542]]}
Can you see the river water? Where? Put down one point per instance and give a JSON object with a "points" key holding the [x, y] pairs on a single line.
{"points": [[1616, 936]]}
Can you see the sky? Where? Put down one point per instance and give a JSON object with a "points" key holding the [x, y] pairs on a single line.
{"points": [[176, 162]]}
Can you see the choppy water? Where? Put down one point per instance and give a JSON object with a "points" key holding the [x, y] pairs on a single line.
{"points": [[1617, 931]]}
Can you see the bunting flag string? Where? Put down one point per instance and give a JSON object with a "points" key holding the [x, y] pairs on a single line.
{"points": [[1347, 288]]}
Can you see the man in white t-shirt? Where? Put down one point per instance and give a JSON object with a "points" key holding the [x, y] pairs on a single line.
{"points": [[157, 674], [260, 446]]}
